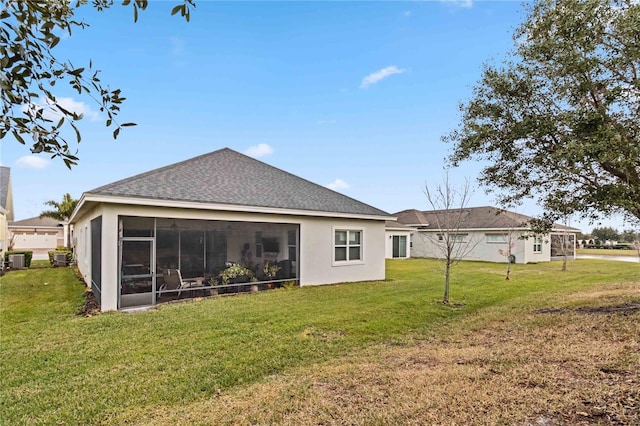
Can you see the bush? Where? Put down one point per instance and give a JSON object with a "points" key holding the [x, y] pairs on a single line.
{"points": [[64, 250], [610, 247], [28, 254]]}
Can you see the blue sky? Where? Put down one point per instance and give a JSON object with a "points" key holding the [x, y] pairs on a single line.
{"points": [[352, 95]]}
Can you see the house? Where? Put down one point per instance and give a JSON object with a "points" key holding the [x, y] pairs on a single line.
{"points": [[220, 222], [40, 235], [6, 208], [487, 234], [397, 240]]}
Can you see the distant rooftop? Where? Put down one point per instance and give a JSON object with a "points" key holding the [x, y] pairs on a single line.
{"points": [[37, 221], [471, 218]]}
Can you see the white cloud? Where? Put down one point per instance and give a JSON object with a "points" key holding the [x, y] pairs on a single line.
{"points": [[407, 13], [32, 162], [259, 150], [462, 4], [375, 77], [338, 184], [69, 104]]}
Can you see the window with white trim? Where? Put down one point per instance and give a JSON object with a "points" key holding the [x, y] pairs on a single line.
{"points": [[455, 238], [496, 238], [537, 244], [347, 245], [459, 238]]}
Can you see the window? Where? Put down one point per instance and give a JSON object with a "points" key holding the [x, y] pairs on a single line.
{"points": [[456, 238], [399, 244], [347, 246], [537, 244], [496, 238]]}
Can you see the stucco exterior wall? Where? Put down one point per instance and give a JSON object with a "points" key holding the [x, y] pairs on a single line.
{"points": [[425, 244], [40, 241], [315, 245], [316, 251], [388, 241], [4, 241]]}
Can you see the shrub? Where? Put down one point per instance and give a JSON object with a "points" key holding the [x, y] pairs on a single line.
{"points": [[28, 254], [64, 250], [235, 271]]}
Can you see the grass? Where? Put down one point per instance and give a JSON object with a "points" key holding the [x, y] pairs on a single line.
{"points": [[608, 252], [36, 264], [272, 357]]}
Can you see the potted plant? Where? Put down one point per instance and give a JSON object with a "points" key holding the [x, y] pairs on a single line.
{"points": [[213, 282], [235, 274], [270, 270], [254, 286]]}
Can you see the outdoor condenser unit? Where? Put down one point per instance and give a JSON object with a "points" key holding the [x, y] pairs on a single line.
{"points": [[16, 261], [59, 259]]}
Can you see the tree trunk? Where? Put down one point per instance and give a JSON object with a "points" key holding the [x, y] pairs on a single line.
{"points": [[447, 270], [564, 253], [508, 268]]}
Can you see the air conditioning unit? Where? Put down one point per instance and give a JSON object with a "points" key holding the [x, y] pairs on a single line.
{"points": [[59, 259], [16, 261]]}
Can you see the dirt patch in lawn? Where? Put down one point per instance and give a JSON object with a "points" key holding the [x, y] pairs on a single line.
{"points": [[624, 308], [91, 306], [567, 367]]}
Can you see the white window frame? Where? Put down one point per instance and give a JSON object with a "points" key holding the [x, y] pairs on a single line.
{"points": [[537, 243], [401, 247], [496, 237], [347, 246], [455, 237]]}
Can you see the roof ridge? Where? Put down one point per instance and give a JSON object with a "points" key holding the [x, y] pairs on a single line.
{"points": [[226, 176], [160, 169], [299, 177]]}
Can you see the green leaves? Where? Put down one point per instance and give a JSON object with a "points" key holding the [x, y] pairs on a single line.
{"points": [[558, 120], [30, 72], [61, 210], [184, 9]]}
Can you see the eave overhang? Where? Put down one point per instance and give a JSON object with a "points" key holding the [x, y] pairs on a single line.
{"points": [[89, 199]]}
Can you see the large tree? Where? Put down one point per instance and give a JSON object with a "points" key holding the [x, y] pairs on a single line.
{"points": [[605, 233], [61, 211], [31, 112], [559, 119]]}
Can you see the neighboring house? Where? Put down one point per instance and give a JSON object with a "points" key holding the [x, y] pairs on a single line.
{"points": [[202, 215], [397, 240], [6, 207], [488, 232], [40, 235]]}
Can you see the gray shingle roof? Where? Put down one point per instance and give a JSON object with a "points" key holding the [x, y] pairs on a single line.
{"points": [[228, 177], [393, 224], [472, 218], [5, 174], [37, 221]]}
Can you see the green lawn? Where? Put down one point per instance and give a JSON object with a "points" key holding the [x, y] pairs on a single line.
{"points": [[58, 367]]}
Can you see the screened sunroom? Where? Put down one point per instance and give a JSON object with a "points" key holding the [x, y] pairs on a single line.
{"points": [[220, 223], [164, 259]]}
